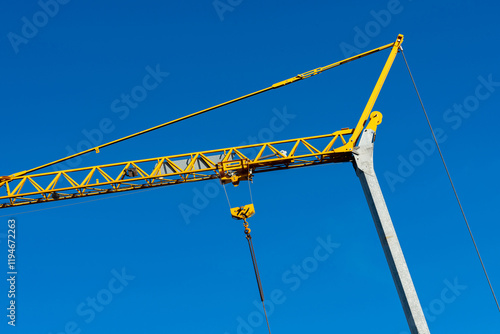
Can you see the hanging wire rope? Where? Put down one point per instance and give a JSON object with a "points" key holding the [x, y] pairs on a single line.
{"points": [[227, 197], [256, 270], [250, 190], [243, 216], [451, 182]]}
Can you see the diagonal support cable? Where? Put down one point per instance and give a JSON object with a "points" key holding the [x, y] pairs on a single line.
{"points": [[451, 182]]}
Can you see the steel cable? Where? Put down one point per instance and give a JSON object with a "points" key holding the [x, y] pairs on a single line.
{"points": [[451, 182]]}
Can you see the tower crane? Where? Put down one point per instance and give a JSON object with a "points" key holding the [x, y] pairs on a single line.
{"points": [[236, 164]]}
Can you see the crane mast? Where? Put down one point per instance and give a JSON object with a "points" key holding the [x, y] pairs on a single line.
{"points": [[235, 164]]}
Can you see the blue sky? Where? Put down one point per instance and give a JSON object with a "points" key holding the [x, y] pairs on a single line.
{"points": [[136, 264]]}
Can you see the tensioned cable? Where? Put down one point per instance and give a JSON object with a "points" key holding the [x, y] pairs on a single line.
{"points": [[250, 189], [254, 261], [257, 276], [451, 181], [252, 254], [227, 197]]}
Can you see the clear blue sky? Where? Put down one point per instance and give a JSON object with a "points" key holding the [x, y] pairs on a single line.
{"points": [[66, 68]]}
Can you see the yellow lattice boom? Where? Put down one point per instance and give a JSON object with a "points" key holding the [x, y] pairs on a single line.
{"points": [[229, 165]]}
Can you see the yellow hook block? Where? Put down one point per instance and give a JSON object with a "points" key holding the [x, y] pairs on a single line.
{"points": [[243, 212]]}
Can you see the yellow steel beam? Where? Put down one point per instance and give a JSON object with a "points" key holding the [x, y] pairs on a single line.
{"points": [[378, 86], [175, 169], [296, 78], [23, 189]]}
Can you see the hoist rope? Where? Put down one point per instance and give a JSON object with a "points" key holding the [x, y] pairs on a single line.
{"points": [[451, 181], [256, 270], [227, 197], [250, 188], [252, 254]]}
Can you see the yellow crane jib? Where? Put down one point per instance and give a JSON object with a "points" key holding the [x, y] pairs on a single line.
{"points": [[232, 164]]}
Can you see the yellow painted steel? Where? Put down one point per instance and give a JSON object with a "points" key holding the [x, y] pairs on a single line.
{"points": [[229, 164], [375, 120], [243, 212], [376, 91], [298, 77], [240, 161], [235, 171]]}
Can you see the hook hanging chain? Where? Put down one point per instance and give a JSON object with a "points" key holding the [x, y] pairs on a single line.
{"points": [[256, 269]]}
